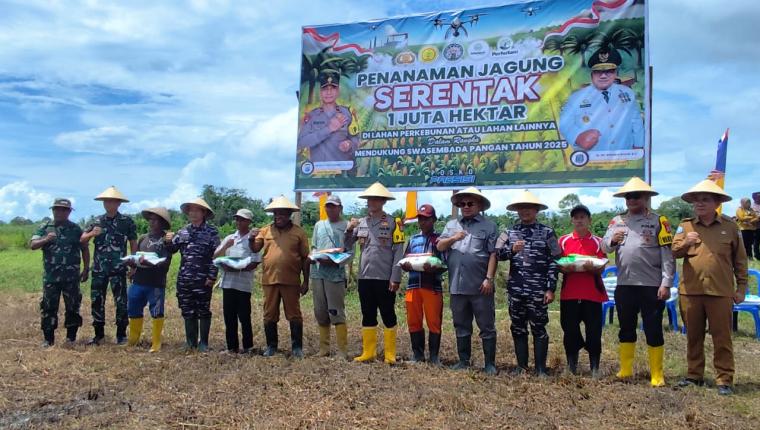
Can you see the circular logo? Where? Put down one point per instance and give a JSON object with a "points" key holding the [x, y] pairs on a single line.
{"points": [[307, 168], [579, 158], [453, 52], [505, 44], [428, 54], [406, 57], [478, 49]]}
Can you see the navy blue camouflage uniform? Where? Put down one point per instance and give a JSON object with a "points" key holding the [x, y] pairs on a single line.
{"points": [[197, 246], [61, 260], [107, 267], [532, 272]]}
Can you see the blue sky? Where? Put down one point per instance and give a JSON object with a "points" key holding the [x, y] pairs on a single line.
{"points": [[159, 98]]}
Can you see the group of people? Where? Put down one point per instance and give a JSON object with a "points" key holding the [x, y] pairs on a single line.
{"points": [[714, 277]]}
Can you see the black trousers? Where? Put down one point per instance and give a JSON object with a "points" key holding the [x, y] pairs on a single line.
{"points": [[373, 296], [237, 306], [748, 236], [630, 300], [756, 244], [574, 312]]}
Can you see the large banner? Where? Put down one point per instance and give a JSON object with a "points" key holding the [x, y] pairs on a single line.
{"points": [[546, 93]]}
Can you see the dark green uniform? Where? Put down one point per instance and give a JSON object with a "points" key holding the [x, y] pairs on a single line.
{"points": [[61, 259], [110, 247]]}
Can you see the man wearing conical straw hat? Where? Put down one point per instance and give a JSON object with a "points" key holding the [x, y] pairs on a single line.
{"points": [[530, 247], [471, 243], [641, 242], [285, 269], [713, 260], [196, 242], [149, 280], [112, 231], [379, 273]]}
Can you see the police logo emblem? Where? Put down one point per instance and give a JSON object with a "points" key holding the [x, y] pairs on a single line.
{"points": [[586, 119]]}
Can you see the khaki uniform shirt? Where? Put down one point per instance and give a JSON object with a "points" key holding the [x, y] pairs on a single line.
{"points": [[282, 254], [379, 254], [710, 265]]}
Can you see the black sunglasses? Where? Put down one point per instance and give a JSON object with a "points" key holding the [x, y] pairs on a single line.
{"points": [[463, 204], [634, 196]]}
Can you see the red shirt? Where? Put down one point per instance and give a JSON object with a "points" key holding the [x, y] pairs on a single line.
{"points": [[581, 285]]}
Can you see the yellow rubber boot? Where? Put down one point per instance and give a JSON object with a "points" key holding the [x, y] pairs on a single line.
{"points": [[341, 338], [156, 330], [627, 351], [324, 341], [369, 344], [135, 330], [655, 365], [389, 345]]}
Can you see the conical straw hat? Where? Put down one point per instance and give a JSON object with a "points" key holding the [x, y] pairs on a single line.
{"points": [[111, 193], [635, 185], [281, 202], [706, 186], [161, 212], [471, 191], [526, 198], [377, 190], [198, 202]]}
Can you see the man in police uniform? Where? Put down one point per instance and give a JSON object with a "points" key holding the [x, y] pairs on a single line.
{"points": [[641, 242], [327, 130], [59, 240], [603, 116], [112, 231], [530, 247], [381, 241]]}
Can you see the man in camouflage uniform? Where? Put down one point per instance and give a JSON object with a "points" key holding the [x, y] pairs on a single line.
{"points": [[112, 231], [197, 243], [59, 240], [531, 248]]}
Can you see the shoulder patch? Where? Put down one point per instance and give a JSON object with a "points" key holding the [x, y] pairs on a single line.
{"points": [[665, 237]]}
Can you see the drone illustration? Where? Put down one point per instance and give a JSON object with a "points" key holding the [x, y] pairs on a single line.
{"points": [[456, 26], [531, 10]]}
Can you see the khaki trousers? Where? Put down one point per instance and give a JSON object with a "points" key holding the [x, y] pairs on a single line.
{"points": [[289, 295], [697, 311]]}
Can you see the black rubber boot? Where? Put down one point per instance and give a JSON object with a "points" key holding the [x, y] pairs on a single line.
{"points": [[296, 339], [121, 335], [100, 333], [204, 325], [464, 349], [49, 338], [521, 353], [418, 346], [191, 333], [540, 351], [594, 360], [270, 332], [489, 356], [71, 334], [434, 344], [572, 362]]}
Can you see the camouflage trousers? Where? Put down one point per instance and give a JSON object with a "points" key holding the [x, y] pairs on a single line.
{"points": [[98, 292], [194, 299], [51, 298], [526, 307]]}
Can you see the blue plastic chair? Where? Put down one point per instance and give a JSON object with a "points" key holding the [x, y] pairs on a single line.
{"points": [[751, 304], [609, 305]]}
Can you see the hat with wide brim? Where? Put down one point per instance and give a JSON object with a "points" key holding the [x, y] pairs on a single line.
{"points": [[377, 190], [111, 193], [706, 186], [526, 198], [471, 191], [161, 212], [281, 202], [635, 185], [201, 204]]}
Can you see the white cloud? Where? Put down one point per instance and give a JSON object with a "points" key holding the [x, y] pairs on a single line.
{"points": [[21, 199]]}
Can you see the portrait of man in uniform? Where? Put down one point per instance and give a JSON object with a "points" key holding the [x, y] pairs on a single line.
{"points": [[603, 116], [325, 130]]}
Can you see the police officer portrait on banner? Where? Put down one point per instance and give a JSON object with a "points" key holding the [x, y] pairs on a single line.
{"points": [[329, 131], [604, 115]]}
